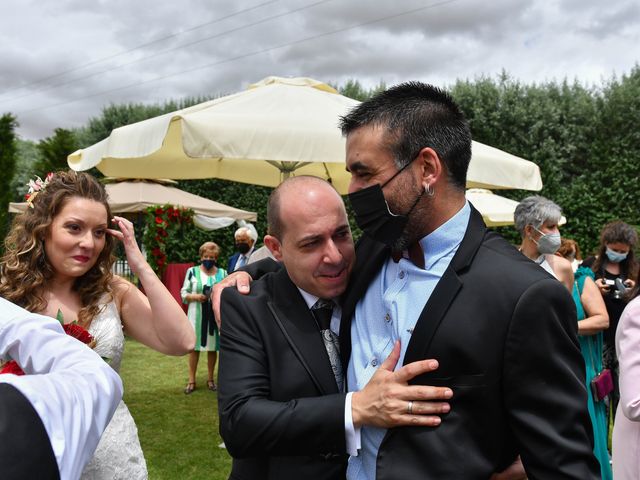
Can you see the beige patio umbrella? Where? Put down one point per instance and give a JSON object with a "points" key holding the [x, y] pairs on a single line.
{"points": [[136, 196], [496, 210], [276, 128]]}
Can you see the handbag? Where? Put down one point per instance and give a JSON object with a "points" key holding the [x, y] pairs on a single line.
{"points": [[602, 385]]}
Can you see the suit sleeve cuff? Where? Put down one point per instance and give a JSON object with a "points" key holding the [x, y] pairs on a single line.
{"points": [[351, 433]]}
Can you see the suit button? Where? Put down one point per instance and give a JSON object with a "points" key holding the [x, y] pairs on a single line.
{"points": [[387, 318], [401, 274]]}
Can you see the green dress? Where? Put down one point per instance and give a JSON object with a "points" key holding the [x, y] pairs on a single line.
{"points": [[207, 338], [591, 349]]}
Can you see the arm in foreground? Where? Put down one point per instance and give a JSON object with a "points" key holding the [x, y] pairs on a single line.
{"points": [[155, 319], [241, 279], [628, 349], [544, 386], [72, 389]]}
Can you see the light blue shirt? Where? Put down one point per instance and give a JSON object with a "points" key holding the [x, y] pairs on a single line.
{"points": [[389, 312]]}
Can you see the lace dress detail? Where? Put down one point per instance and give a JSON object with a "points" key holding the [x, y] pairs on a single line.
{"points": [[118, 455]]}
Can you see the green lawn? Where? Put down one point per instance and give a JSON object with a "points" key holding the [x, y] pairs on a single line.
{"points": [[178, 432]]}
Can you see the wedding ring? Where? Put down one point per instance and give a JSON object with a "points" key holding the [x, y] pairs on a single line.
{"points": [[410, 407]]}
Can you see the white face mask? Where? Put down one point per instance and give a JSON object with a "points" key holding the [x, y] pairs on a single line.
{"points": [[548, 243]]}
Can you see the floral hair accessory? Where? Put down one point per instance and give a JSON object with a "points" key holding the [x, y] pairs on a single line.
{"points": [[35, 187]]}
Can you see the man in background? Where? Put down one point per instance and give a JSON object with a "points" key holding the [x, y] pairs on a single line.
{"points": [[245, 240]]}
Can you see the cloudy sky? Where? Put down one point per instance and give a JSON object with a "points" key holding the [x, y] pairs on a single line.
{"points": [[62, 61]]}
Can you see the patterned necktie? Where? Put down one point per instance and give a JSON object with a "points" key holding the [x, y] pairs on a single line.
{"points": [[241, 261], [322, 311]]}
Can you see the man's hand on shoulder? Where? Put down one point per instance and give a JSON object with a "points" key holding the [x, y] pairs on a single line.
{"points": [[389, 401], [240, 280]]}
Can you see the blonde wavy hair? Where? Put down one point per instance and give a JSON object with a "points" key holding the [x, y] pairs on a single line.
{"points": [[25, 271]]}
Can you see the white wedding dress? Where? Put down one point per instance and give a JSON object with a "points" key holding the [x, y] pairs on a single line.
{"points": [[118, 455]]}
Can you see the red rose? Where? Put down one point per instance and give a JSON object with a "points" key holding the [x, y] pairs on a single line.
{"points": [[11, 367], [159, 211], [76, 331], [159, 220], [156, 252]]}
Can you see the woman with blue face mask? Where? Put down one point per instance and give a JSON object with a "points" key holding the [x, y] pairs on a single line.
{"points": [[537, 219], [616, 270], [195, 292]]}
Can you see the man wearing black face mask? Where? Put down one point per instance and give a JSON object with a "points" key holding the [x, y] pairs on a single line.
{"points": [[245, 239], [430, 274]]}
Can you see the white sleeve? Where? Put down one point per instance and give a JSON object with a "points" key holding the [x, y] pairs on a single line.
{"points": [[73, 390], [351, 433]]}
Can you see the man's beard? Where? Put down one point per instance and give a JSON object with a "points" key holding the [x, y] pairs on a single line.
{"points": [[411, 232]]}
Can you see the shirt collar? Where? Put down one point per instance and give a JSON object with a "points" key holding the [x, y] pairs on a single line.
{"points": [[446, 237]]}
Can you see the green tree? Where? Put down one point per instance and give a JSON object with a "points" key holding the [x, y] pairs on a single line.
{"points": [[26, 158], [8, 154], [54, 151], [353, 89]]}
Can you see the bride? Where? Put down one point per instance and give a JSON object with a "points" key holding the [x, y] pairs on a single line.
{"points": [[57, 262]]}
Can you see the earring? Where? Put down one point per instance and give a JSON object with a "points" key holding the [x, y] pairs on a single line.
{"points": [[429, 190]]}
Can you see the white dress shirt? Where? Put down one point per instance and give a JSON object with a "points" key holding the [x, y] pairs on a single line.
{"points": [[73, 390]]}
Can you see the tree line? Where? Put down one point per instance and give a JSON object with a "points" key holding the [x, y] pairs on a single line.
{"points": [[584, 138]]}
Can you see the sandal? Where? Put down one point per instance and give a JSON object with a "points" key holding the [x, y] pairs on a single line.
{"points": [[211, 385], [191, 386]]}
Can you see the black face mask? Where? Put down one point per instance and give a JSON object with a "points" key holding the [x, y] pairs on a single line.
{"points": [[209, 264], [242, 247], [373, 215]]}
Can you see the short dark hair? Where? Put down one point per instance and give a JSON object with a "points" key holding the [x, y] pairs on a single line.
{"points": [[416, 115]]}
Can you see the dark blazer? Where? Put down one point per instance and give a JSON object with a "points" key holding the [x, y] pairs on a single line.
{"points": [[505, 335], [25, 449], [231, 265], [232, 262], [281, 415]]}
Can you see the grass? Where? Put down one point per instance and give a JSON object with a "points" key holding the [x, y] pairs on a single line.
{"points": [[178, 432]]}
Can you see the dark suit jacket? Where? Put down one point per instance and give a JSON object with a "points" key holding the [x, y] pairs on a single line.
{"points": [[25, 449], [231, 265], [505, 335], [281, 415], [232, 262]]}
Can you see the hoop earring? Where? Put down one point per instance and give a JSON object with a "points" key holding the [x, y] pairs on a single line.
{"points": [[429, 190]]}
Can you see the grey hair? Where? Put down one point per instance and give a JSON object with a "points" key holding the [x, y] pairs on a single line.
{"points": [[251, 232], [535, 210]]}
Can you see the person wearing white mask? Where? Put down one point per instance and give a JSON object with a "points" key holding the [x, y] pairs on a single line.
{"points": [[537, 218], [616, 270]]}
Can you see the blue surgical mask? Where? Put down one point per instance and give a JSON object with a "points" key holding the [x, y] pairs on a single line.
{"points": [[208, 264], [615, 257], [548, 243]]}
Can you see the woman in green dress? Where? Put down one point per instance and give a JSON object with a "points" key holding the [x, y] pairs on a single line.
{"points": [[592, 321], [195, 292]]}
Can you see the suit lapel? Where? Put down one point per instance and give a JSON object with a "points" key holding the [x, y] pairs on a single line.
{"points": [[446, 290], [299, 328], [369, 259]]}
